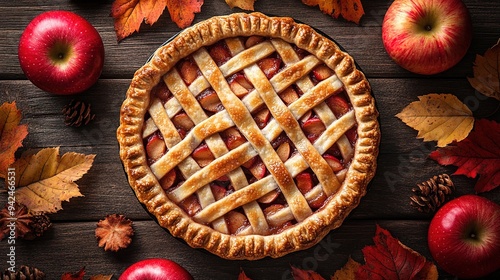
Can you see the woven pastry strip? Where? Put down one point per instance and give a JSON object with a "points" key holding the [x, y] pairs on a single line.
{"points": [[207, 129]]}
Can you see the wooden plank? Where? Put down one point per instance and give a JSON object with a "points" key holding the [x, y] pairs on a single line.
{"points": [[42, 111], [70, 246], [122, 59], [402, 162]]}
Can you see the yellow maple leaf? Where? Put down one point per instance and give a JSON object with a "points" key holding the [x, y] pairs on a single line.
{"points": [[242, 4], [438, 117], [486, 78], [11, 135], [45, 179]]}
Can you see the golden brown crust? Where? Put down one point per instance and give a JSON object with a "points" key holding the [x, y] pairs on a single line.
{"points": [[169, 215]]}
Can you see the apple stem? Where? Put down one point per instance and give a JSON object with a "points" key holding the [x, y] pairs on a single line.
{"points": [[428, 27]]}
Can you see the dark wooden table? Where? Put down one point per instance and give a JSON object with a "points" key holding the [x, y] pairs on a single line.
{"points": [[70, 243]]}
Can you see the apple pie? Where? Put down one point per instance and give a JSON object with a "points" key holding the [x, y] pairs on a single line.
{"points": [[249, 135]]}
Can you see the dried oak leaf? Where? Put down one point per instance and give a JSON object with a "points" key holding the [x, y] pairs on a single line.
{"points": [[478, 154], [45, 179], [128, 15], [11, 135], [242, 4], [390, 259], [438, 117], [301, 274], [486, 78], [350, 10], [114, 232], [348, 271]]}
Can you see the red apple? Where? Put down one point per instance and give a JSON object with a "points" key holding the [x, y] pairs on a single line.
{"points": [[155, 269], [464, 236], [427, 37], [61, 52]]}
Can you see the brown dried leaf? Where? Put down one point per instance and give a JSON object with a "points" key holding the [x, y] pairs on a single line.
{"points": [[114, 232], [45, 179], [438, 117], [11, 135], [486, 69]]}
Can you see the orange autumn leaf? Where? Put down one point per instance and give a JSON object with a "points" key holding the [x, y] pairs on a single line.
{"points": [[350, 10], [182, 12], [11, 135], [348, 271], [129, 14], [242, 4]]}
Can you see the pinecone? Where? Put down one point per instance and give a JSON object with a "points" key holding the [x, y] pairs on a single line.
{"points": [[39, 225], [23, 273], [77, 113], [27, 226], [431, 194]]}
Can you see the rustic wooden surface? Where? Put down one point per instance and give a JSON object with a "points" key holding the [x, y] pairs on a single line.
{"points": [[403, 162]]}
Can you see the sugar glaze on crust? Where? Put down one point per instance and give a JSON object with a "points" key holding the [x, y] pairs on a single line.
{"points": [[312, 228]]}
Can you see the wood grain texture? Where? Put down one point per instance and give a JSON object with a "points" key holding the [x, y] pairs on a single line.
{"points": [[402, 163]]}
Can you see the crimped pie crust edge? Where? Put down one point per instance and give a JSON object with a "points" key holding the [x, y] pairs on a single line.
{"points": [[301, 236]]}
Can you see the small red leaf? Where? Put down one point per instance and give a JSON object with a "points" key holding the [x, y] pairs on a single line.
{"points": [[478, 154], [301, 274], [243, 276], [74, 276], [390, 259]]}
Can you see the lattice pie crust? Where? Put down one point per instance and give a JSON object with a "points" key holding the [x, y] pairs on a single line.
{"points": [[246, 153]]}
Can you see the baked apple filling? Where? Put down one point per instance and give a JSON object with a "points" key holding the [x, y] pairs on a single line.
{"points": [[249, 136], [232, 154]]}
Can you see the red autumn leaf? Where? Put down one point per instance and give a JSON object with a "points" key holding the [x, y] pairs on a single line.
{"points": [[351, 10], [301, 274], [478, 154], [11, 135], [390, 259], [129, 14], [243, 276], [74, 276]]}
